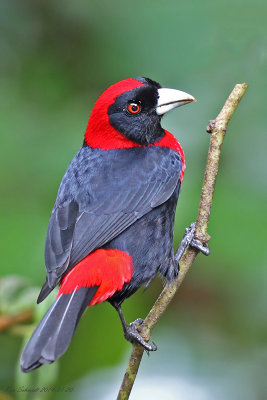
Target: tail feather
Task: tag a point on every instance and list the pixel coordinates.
(45, 291)
(52, 336)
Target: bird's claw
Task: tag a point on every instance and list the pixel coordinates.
(135, 323)
(131, 334)
(189, 240)
(204, 248)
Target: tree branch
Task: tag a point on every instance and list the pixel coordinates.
(217, 129)
(7, 321)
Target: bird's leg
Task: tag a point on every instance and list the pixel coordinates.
(189, 240)
(130, 331)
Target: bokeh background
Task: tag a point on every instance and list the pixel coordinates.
(56, 58)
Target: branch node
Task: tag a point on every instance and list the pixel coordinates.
(210, 128)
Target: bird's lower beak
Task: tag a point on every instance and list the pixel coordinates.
(171, 98)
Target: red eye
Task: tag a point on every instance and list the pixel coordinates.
(134, 108)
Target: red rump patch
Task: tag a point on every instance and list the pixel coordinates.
(108, 269)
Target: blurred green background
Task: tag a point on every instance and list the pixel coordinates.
(56, 58)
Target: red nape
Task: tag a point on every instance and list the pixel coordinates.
(108, 269)
(99, 132)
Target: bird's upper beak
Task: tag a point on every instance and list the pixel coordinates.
(171, 98)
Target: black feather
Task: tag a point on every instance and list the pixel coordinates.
(101, 195)
(52, 336)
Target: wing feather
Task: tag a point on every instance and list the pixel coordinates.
(100, 196)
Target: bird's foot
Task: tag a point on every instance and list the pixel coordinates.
(189, 240)
(131, 334)
(203, 248)
(131, 331)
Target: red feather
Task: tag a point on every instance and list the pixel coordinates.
(100, 134)
(108, 269)
(171, 142)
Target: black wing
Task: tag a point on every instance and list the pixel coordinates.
(102, 194)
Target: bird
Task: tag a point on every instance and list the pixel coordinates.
(111, 228)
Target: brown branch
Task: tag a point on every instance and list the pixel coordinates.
(217, 128)
(8, 321)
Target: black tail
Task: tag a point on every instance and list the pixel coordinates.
(46, 289)
(52, 336)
